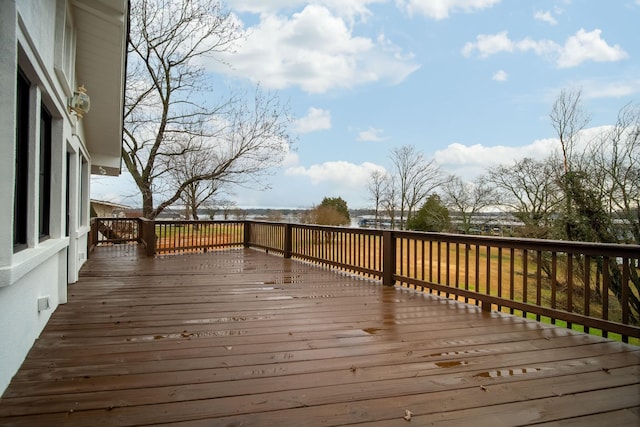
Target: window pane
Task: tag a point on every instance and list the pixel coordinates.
(20, 198)
(45, 173)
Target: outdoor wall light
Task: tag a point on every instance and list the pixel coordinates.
(80, 102)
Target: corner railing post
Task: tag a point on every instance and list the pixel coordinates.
(149, 236)
(93, 236)
(388, 258)
(94, 231)
(247, 234)
(485, 306)
(139, 235)
(288, 240)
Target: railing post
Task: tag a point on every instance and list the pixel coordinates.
(247, 234)
(94, 231)
(92, 238)
(388, 258)
(485, 306)
(149, 236)
(288, 240)
(140, 235)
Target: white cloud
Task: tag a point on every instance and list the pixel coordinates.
(316, 119)
(261, 6)
(599, 89)
(371, 135)
(545, 17)
(316, 51)
(489, 44)
(440, 9)
(117, 189)
(351, 10)
(348, 176)
(500, 76)
(471, 161)
(291, 159)
(582, 46)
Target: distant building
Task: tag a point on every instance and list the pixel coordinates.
(103, 209)
(54, 134)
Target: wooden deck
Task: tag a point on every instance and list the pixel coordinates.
(242, 338)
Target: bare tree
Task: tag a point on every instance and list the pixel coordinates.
(228, 208)
(529, 189)
(390, 198)
(597, 181)
(194, 161)
(614, 164)
(568, 119)
(417, 177)
(324, 215)
(377, 184)
(167, 113)
(467, 199)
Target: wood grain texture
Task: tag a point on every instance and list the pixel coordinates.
(239, 337)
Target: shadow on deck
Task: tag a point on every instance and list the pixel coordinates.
(240, 337)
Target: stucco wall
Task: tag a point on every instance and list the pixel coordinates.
(37, 15)
(21, 321)
(39, 37)
(27, 38)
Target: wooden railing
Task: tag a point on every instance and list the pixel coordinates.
(590, 284)
(114, 230)
(568, 283)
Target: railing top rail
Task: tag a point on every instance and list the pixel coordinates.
(113, 218)
(200, 221)
(560, 246)
(587, 248)
(371, 231)
(265, 222)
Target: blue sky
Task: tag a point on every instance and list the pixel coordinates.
(468, 82)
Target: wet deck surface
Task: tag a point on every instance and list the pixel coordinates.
(241, 338)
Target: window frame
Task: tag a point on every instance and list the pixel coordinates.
(21, 171)
(44, 181)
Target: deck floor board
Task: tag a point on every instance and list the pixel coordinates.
(240, 337)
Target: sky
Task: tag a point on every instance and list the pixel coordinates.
(469, 83)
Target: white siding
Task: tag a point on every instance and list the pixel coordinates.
(39, 37)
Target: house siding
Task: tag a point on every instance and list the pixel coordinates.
(32, 39)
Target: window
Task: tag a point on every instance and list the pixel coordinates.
(65, 46)
(69, 49)
(84, 193)
(44, 184)
(21, 189)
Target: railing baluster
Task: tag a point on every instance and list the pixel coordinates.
(476, 279)
(569, 285)
(554, 282)
(587, 288)
(439, 264)
(431, 260)
(423, 259)
(625, 294)
(538, 281)
(488, 281)
(606, 282)
(512, 276)
(499, 308)
(457, 265)
(525, 278)
(467, 250)
(448, 261)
